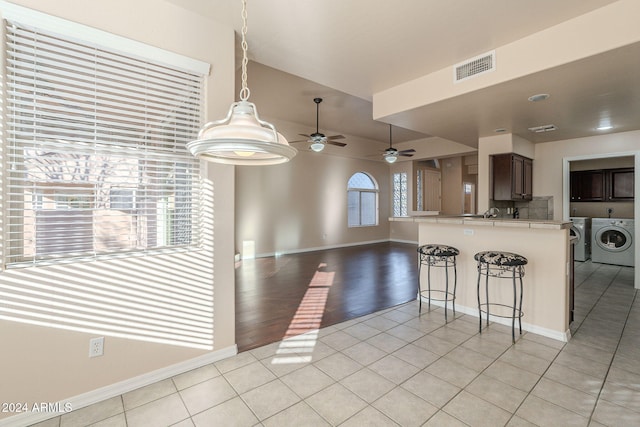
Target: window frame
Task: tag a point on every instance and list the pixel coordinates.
(360, 192)
(400, 204)
(15, 254)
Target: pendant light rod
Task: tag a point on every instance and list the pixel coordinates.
(391, 154)
(317, 101)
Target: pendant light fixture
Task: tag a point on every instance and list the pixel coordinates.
(242, 138)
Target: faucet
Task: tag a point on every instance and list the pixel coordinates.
(491, 213)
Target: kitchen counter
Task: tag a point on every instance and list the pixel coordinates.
(545, 244)
(480, 221)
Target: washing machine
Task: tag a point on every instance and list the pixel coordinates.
(612, 241)
(581, 228)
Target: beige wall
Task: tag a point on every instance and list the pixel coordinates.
(600, 209)
(602, 163)
(548, 161)
(44, 364)
(302, 204)
(276, 211)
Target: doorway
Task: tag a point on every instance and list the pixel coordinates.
(566, 191)
(469, 198)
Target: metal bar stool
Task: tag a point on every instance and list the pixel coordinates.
(505, 265)
(434, 255)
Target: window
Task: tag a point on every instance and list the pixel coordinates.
(362, 201)
(400, 194)
(122, 199)
(419, 190)
(95, 147)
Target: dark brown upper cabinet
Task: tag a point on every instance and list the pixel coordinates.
(621, 184)
(512, 176)
(588, 186)
(606, 185)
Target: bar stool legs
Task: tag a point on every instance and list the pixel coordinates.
(499, 264)
(442, 256)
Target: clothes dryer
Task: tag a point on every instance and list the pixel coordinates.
(581, 228)
(612, 241)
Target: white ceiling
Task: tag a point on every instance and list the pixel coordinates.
(346, 50)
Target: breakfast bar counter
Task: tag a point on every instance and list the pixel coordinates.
(545, 244)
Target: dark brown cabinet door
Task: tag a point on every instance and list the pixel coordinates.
(512, 177)
(595, 189)
(587, 186)
(621, 184)
(517, 183)
(527, 179)
(501, 177)
(602, 185)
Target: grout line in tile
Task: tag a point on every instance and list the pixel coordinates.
(604, 381)
(592, 284)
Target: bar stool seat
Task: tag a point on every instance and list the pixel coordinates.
(507, 265)
(438, 255)
(508, 259)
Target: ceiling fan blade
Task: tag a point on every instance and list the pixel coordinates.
(300, 140)
(405, 154)
(410, 150)
(339, 144)
(302, 134)
(336, 137)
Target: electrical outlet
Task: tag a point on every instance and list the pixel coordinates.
(96, 347)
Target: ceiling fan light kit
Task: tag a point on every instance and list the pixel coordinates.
(390, 155)
(242, 138)
(317, 146)
(319, 140)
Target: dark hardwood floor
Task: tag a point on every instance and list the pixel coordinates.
(281, 296)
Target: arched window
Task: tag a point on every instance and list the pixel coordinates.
(362, 201)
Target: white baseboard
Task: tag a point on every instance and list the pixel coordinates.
(413, 242)
(319, 248)
(121, 387)
(545, 332)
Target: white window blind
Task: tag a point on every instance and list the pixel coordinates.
(96, 155)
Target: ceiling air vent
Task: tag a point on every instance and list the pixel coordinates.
(475, 66)
(543, 128)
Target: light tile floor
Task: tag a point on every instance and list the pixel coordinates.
(394, 368)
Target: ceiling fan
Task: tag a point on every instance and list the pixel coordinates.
(317, 139)
(391, 154)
